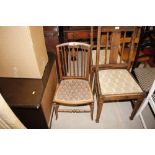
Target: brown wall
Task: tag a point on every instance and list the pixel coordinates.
(22, 52)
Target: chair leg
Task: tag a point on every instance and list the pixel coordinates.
(142, 106)
(99, 109)
(56, 107)
(94, 87)
(135, 109)
(91, 110)
(91, 77)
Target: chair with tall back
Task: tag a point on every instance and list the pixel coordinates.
(113, 80)
(144, 65)
(126, 40)
(74, 70)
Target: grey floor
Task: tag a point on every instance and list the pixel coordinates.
(115, 115)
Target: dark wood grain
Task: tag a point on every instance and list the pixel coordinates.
(31, 99)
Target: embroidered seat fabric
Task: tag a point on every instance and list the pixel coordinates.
(153, 97)
(117, 81)
(73, 91)
(145, 76)
(102, 57)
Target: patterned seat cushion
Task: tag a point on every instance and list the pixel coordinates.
(117, 81)
(153, 97)
(73, 91)
(145, 77)
(102, 57)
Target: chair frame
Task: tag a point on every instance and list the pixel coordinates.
(147, 100)
(85, 74)
(135, 97)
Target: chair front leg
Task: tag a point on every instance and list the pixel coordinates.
(99, 109)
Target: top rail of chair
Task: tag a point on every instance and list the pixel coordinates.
(73, 44)
(117, 28)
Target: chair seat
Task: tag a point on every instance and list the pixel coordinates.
(73, 91)
(145, 77)
(102, 57)
(117, 81)
(153, 97)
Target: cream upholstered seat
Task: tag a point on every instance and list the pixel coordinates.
(117, 81)
(102, 57)
(73, 91)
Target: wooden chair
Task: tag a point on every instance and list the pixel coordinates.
(142, 69)
(126, 39)
(113, 80)
(74, 70)
(150, 99)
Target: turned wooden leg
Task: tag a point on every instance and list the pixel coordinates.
(94, 87)
(91, 110)
(91, 77)
(56, 107)
(99, 110)
(135, 108)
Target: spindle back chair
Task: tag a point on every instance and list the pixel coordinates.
(74, 69)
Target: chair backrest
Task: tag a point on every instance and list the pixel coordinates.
(115, 41)
(73, 60)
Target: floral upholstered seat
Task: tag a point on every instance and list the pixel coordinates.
(145, 77)
(73, 91)
(117, 81)
(153, 97)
